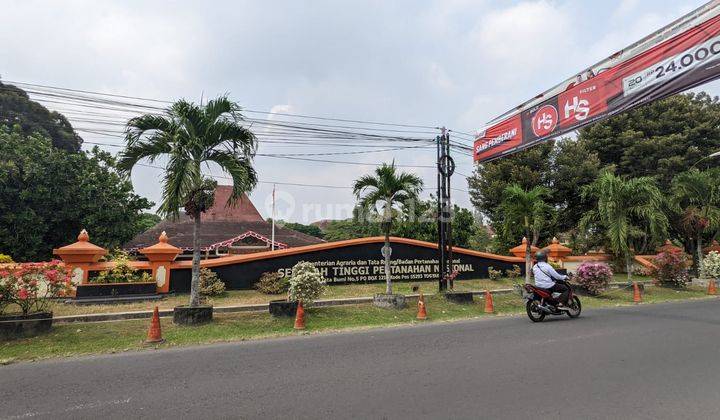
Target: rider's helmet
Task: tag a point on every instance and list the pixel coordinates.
(541, 256)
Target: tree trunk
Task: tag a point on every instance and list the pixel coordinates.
(699, 254)
(195, 282)
(388, 279)
(628, 266)
(528, 263)
(528, 251)
(387, 219)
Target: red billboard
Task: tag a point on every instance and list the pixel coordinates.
(680, 56)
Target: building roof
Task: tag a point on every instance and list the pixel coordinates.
(222, 226)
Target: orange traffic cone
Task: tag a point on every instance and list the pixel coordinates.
(154, 335)
(422, 312)
(637, 298)
(300, 317)
(489, 307)
(711, 288)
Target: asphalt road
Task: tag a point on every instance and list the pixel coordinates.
(651, 362)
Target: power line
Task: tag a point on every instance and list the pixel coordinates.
(246, 109)
(135, 108)
(347, 163)
(295, 184)
(263, 182)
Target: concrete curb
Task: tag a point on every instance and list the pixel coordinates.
(261, 307)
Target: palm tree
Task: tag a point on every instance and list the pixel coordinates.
(189, 136)
(387, 191)
(626, 210)
(695, 196)
(529, 210)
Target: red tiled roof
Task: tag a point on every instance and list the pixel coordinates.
(221, 224)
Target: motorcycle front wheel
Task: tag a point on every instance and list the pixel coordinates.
(575, 307)
(534, 313)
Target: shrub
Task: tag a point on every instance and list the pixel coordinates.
(671, 269)
(4, 296)
(122, 272)
(272, 284)
(31, 285)
(6, 259)
(306, 283)
(640, 271)
(593, 277)
(494, 273)
(555, 265)
(513, 273)
(210, 283)
(711, 266)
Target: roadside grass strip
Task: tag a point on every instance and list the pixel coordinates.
(251, 297)
(67, 340)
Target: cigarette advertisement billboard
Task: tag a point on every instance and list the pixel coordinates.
(680, 56)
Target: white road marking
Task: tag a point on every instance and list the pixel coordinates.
(70, 409)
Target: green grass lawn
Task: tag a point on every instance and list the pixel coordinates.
(247, 297)
(109, 337)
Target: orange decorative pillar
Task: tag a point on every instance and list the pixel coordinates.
(160, 256)
(556, 251)
(79, 256)
(519, 251)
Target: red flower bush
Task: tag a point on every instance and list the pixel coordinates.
(593, 277)
(671, 269)
(30, 286)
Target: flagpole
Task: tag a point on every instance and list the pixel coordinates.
(272, 235)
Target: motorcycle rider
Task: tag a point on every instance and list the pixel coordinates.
(546, 278)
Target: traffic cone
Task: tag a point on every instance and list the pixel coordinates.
(489, 307)
(154, 335)
(422, 312)
(637, 298)
(711, 288)
(300, 317)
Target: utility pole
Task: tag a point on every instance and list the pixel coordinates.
(446, 167)
(272, 234)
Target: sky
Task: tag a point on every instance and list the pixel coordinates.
(452, 63)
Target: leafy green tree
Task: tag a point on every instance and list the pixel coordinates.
(311, 230)
(147, 221)
(528, 169)
(189, 136)
(660, 139)
(340, 230)
(17, 110)
(47, 195)
(572, 165)
(482, 240)
(387, 192)
(529, 210)
(417, 221)
(629, 214)
(695, 197)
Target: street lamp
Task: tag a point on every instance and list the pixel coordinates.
(714, 155)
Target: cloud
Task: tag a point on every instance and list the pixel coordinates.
(456, 63)
(522, 37)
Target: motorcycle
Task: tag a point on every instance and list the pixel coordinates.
(541, 302)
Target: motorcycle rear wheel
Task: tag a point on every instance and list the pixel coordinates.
(575, 306)
(533, 312)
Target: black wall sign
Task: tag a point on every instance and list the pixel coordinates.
(354, 263)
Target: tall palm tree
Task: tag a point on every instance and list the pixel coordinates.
(529, 210)
(189, 136)
(695, 196)
(386, 192)
(627, 210)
